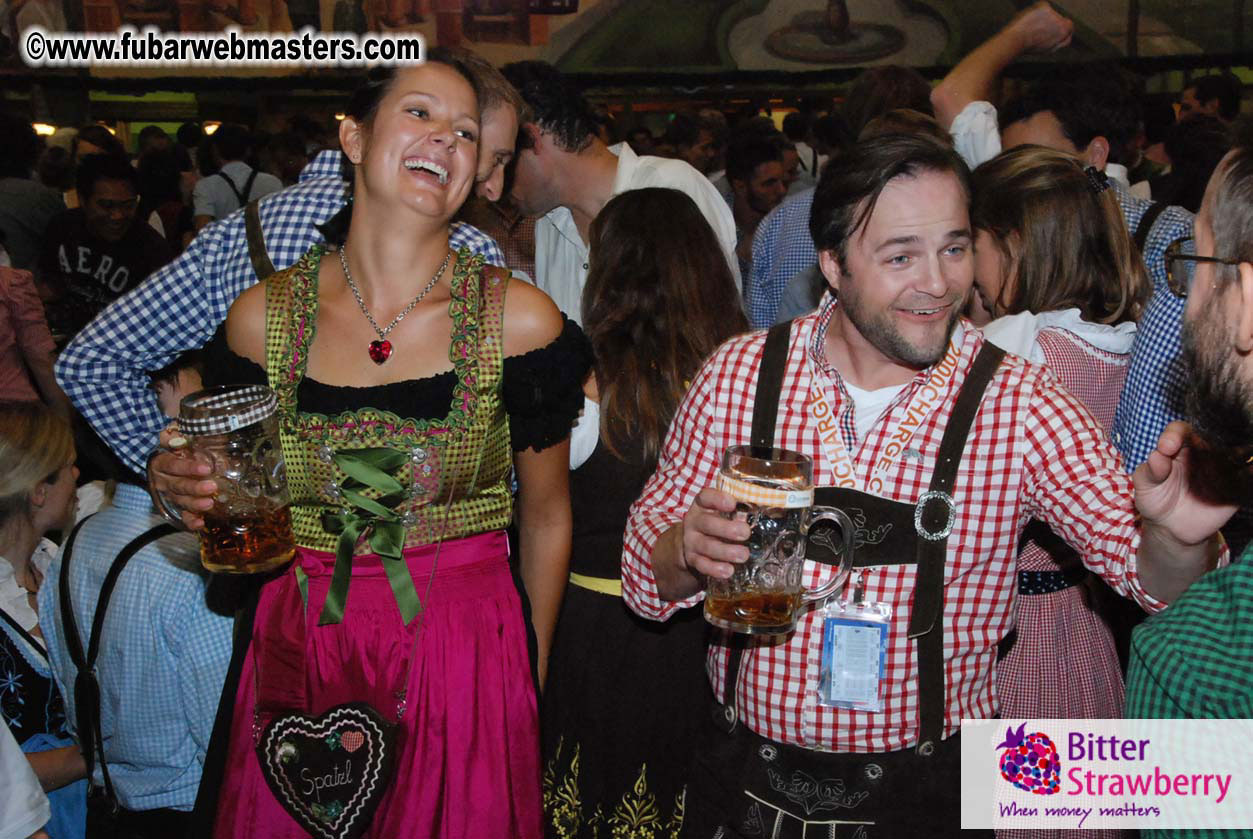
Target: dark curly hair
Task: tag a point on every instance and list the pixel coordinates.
(559, 106)
(1096, 103)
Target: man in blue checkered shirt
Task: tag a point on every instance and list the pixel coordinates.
(163, 652)
(782, 248)
(1092, 118)
(178, 308)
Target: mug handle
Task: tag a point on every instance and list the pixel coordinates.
(167, 511)
(849, 531)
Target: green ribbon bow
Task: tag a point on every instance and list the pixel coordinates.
(370, 469)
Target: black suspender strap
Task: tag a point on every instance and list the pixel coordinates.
(936, 511)
(239, 196)
(1146, 224)
(765, 414)
(69, 626)
(86, 686)
(770, 384)
(257, 254)
(242, 197)
(247, 191)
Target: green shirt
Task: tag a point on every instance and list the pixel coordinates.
(1195, 660)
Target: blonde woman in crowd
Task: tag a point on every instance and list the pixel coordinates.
(37, 478)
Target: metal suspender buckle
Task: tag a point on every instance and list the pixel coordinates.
(943, 533)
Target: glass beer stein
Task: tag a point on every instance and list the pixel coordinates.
(248, 529)
(774, 492)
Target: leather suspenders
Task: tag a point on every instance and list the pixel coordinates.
(86, 686)
(257, 254)
(931, 515)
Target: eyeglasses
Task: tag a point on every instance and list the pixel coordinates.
(1181, 262)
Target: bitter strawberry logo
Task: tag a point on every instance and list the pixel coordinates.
(1030, 761)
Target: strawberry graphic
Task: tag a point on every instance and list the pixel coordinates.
(1030, 761)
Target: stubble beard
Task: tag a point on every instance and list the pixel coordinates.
(1219, 400)
(881, 332)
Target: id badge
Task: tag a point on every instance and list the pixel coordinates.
(854, 654)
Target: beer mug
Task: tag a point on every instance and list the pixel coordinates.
(248, 528)
(774, 491)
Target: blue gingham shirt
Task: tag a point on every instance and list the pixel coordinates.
(782, 248)
(104, 369)
(1153, 395)
(163, 655)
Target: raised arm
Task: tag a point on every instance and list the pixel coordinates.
(104, 369)
(1180, 521)
(1037, 29)
(1150, 541)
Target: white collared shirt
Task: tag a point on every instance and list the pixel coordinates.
(14, 599)
(977, 138)
(24, 807)
(1018, 333)
(561, 255)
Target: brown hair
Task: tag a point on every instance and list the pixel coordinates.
(35, 443)
(493, 89)
(659, 299)
(847, 194)
(906, 121)
(886, 88)
(1071, 248)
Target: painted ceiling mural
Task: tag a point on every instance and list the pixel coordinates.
(633, 36)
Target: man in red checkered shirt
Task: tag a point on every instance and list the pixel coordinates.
(941, 451)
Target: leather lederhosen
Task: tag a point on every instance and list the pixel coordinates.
(743, 785)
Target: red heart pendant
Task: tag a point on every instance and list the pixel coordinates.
(380, 351)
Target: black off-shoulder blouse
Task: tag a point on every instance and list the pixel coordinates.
(542, 390)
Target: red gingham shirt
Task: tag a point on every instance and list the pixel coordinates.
(1034, 452)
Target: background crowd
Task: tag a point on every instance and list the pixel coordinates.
(129, 278)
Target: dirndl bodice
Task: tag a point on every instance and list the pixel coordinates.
(449, 474)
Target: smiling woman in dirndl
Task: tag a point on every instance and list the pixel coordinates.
(387, 690)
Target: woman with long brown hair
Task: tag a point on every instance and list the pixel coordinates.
(626, 694)
(1055, 265)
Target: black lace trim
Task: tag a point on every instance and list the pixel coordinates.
(542, 389)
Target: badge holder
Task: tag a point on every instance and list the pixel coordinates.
(854, 652)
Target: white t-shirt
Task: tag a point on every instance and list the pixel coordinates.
(214, 197)
(23, 806)
(561, 255)
(977, 138)
(869, 405)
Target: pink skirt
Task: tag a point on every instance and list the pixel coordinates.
(1063, 666)
(467, 752)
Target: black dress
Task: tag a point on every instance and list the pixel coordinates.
(29, 700)
(624, 695)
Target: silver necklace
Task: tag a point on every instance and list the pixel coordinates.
(381, 349)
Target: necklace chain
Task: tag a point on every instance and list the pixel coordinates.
(356, 293)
